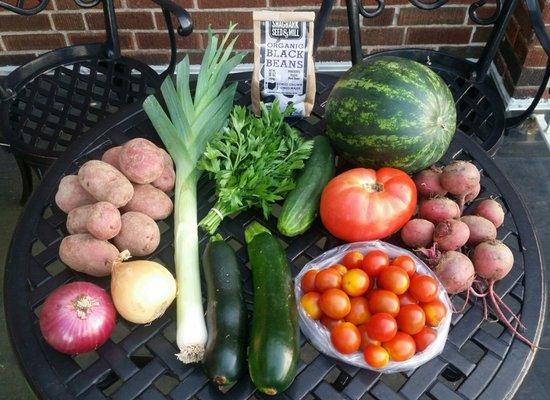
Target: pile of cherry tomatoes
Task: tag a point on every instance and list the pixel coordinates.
(370, 303)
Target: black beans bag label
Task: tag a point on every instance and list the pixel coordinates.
(284, 69)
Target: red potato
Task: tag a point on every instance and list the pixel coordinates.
(492, 210)
(84, 253)
(427, 183)
(418, 233)
(167, 179)
(105, 183)
(150, 201)
(139, 234)
(101, 220)
(70, 194)
(492, 260)
(455, 272)
(438, 209)
(481, 229)
(451, 234)
(141, 161)
(111, 156)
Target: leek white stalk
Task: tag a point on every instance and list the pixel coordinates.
(192, 123)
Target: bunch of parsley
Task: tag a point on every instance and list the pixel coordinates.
(253, 161)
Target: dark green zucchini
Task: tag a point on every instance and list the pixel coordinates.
(226, 315)
(302, 203)
(275, 338)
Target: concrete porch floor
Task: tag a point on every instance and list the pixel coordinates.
(524, 159)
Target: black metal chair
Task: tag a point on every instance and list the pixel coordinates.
(479, 105)
(49, 102)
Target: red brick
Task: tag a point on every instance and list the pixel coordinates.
(18, 23)
(512, 30)
(338, 17)
(150, 4)
(481, 34)
(436, 35)
(245, 40)
(526, 92)
(536, 57)
(41, 41)
(134, 20)
(522, 17)
(329, 38)
(384, 19)
(231, 3)
(125, 38)
(159, 40)
(341, 54)
(440, 16)
(16, 59)
(393, 2)
(287, 3)
(530, 77)
(217, 19)
(68, 22)
(150, 58)
(374, 36)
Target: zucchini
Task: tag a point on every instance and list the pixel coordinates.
(226, 315)
(302, 203)
(275, 338)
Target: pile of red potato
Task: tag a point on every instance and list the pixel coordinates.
(112, 206)
(463, 250)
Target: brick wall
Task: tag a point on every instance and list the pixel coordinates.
(400, 25)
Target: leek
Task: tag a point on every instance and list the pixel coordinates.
(191, 123)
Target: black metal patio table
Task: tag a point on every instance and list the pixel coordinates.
(481, 359)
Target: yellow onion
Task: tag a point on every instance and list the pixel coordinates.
(141, 290)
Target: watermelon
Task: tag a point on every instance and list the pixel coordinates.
(391, 112)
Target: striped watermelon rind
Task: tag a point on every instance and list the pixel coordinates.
(391, 111)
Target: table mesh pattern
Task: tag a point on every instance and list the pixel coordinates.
(55, 108)
(475, 113)
(138, 362)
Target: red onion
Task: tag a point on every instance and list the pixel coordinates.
(77, 318)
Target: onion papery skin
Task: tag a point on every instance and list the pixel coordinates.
(77, 318)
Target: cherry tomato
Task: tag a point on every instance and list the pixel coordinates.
(367, 204)
(423, 288)
(401, 347)
(340, 269)
(381, 327)
(310, 304)
(353, 259)
(405, 262)
(435, 312)
(376, 356)
(355, 282)
(407, 298)
(424, 338)
(330, 322)
(335, 303)
(345, 337)
(383, 301)
(411, 319)
(395, 279)
(374, 261)
(308, 281)
(327, 279)
(359, 313)
(365, 339)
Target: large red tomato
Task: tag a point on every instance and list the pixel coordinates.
(364, 204)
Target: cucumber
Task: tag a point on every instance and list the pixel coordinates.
(302, 203)
(226, 315)
(275, 338)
